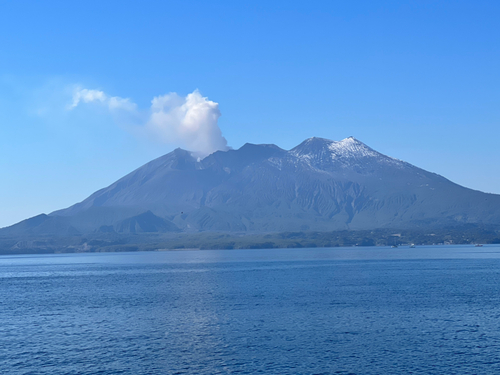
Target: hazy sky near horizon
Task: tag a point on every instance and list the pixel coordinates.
(91, 90)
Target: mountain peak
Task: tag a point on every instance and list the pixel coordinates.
(346, 148)
(311, 145)
(351, 139)
(325, 154)
(351, 147)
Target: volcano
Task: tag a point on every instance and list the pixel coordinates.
(320, 185)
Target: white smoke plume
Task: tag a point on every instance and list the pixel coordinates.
(190, 122)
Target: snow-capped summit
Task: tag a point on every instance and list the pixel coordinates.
(351, 147)
(326, 154)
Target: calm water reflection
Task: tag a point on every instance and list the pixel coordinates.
(310, 311)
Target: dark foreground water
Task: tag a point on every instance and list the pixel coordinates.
(432, 310)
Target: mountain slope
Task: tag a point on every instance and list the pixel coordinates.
(318, 185)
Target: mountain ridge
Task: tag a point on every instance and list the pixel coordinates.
(318, 185)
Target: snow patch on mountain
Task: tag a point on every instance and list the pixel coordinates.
(349, 148)
(319, 152)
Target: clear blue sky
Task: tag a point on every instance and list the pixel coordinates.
(417, 80)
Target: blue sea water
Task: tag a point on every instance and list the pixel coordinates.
(428, 310)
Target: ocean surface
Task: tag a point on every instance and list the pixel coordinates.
(427, 310)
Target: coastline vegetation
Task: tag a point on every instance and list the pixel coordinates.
(113, 242)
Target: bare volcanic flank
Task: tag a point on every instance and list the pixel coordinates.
(319, 185)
